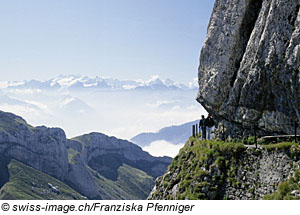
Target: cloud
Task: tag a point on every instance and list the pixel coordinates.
(26, 111)
(3, 84)
(39, 105)
(137, 120)
(159, 103)
(26, 91)
(123, 114)
(162, 148)
(66, 102)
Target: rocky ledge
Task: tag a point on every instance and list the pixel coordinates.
(223, 170)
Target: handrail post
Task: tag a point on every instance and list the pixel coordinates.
(193, 130)
(296, 126)
(255, 136)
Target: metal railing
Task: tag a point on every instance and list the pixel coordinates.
(294, 124)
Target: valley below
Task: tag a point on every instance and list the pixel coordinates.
(41, 163)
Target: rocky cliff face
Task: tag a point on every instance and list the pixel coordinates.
(249, 66)
(102, 151)
(91, 164)
(223, 170)
(42, 148)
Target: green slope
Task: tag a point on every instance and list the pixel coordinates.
(131, 183)
(189, 170)
(31, 184)
(12, 123)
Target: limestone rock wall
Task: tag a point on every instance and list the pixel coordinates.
(101, 148)
(42, 148)
(249, 66)
(259, 174)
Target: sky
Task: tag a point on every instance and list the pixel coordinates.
(124, 39)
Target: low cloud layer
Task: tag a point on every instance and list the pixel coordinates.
(162, 148)
(120, 113)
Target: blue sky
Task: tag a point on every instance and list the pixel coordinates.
(125, 39)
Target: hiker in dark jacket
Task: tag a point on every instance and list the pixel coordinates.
(209, 123)
(202, 127)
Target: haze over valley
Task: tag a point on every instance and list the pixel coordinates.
(121, 108)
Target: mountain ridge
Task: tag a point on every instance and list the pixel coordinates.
(76, 82)
(73, 162)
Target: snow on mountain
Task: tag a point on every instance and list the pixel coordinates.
(74, 82)
(122, 84)
(155, 84)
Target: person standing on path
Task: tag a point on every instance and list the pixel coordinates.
(209, 123)
(202, 127)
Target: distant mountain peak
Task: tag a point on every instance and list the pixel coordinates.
(175, 134)
(73, 82)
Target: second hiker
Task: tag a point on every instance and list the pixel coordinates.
(209, 123)
(202, 127)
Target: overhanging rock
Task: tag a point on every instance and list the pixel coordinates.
(249, 66)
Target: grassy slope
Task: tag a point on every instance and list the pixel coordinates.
(28, 183)
(83, 139)
(192, 163)
(10, 122)
(71, 156)
(132, 183)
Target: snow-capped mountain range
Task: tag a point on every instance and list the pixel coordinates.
(73, 82)
(122, 108)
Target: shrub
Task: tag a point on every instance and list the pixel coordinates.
(194, 158)
(285, 188)
(220, 162)
(284, 146)
(250, 140)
